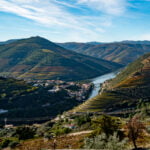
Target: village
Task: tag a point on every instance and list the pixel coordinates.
(79, 91)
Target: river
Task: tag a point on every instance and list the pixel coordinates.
(101, 79)
(3, 111)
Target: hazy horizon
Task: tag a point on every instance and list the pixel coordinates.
(74, 41)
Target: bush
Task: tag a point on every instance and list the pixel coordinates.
(4, 143)
(1, 126)
(61, 131)
(48, 135)
(80, 120)
(42, 130)
(8, 143)
(13, 144)
(103, 142)
(23, 132)
(7, 132)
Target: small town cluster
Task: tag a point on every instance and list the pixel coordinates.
(79, 91)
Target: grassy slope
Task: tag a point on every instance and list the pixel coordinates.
(38, 58)
(131, 85)
(63, 142)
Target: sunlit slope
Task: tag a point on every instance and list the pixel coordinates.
(38, 58)
(125, 91)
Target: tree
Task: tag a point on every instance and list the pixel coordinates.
(135, 129)
(108, 125)
(80, 120)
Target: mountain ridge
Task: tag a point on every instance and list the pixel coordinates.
(123, 52)
(39, 58)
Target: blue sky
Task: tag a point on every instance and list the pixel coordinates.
(75, 20)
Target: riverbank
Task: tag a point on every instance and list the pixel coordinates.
(98, 81)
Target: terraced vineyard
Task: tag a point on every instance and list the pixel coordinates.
(125, 91)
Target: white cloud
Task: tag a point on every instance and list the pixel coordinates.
(113, 7)
(54, 13)
(47, 13)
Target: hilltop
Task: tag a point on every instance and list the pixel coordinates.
(37, 58)
(126, 91)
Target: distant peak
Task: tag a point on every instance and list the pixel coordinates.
(38, 39)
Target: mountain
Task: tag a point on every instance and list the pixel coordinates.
(95, 43)
(128, 89)
(38, 58)
(77, 47)
(8, 41)
(136, 42)
(120, 52)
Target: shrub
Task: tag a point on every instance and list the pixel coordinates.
(13, 144)
(61, 131)
(103, 142)
(4, 143)
(42, 130)
(48, 135)
(23, 132)
(80, 120)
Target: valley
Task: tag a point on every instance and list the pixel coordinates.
(74, 75)
(51, 97)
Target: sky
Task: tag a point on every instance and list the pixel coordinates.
(75, 20)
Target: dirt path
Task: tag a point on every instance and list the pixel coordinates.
(79, 133)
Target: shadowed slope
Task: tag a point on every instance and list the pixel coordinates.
(121, 52)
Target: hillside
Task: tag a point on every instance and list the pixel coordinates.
(121, 52)
(38, 58)
(8, 41)
(125, 91)
(23, 100)
(77, 47)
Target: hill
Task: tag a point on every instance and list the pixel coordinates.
(8, 41)
(38, 58)
(123, 52)
(136, 42)
(95, 43)
(126, 91)
(23, 100)
(77, 47)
